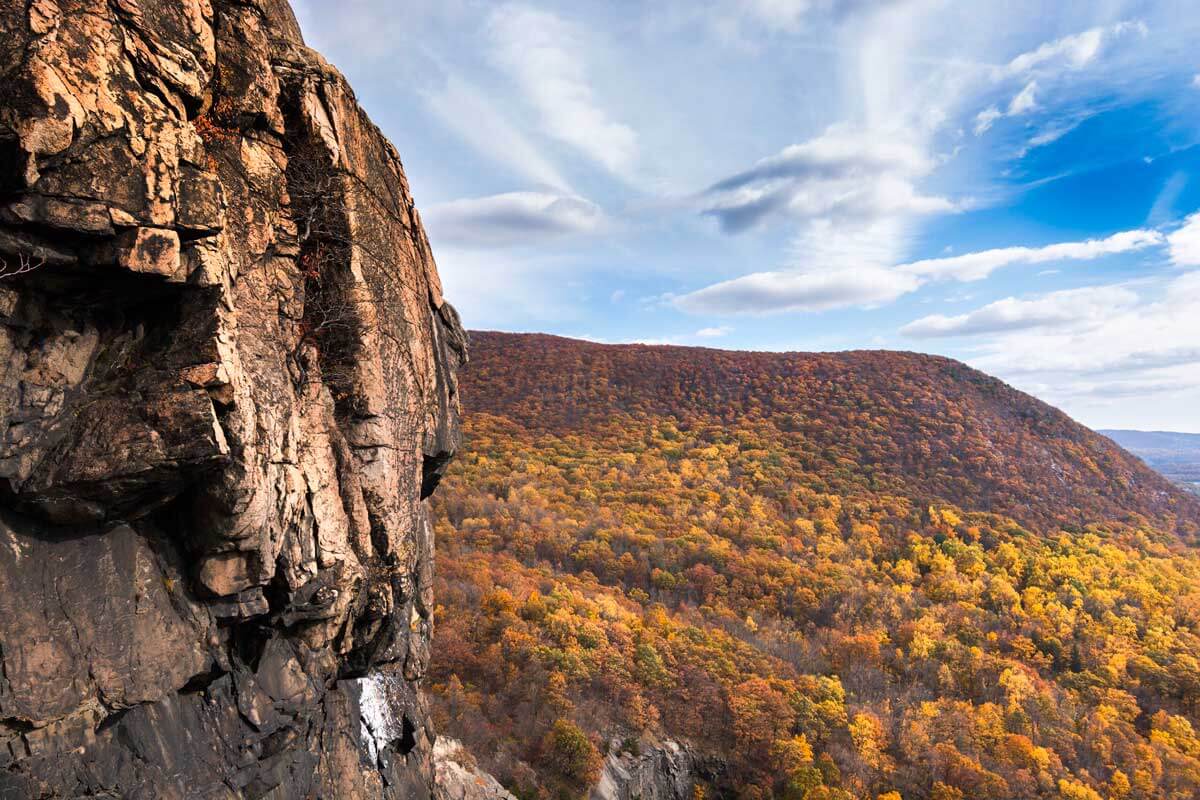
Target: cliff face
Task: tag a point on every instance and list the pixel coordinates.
(227, 385)
(658, 771)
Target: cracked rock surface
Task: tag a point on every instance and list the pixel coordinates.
(227, 385)
(663, 770)
(458, 777)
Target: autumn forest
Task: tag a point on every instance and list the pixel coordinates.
(859, 575)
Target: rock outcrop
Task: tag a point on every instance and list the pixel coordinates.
(458, 777)
(656, 771)
(227, 384)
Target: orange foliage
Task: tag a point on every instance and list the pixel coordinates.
(836, 576)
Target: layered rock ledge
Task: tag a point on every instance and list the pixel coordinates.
(227, 385)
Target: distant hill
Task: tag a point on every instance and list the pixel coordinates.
(832, 575)
(1175, 455)
(922, 426)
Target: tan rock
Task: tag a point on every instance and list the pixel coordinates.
(152, 251)
(225, 573)
(220, 510)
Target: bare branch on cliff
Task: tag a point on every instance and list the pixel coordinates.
(24, 265)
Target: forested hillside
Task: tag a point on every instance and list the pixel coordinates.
(867, 575)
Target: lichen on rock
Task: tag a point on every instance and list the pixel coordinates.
(227, 385)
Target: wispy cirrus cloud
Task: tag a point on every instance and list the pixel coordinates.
(543, 54)
(1024, 102)
(1049, 61)
(474, 116)
(1069, 52)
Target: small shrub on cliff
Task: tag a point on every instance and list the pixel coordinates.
(569, 752)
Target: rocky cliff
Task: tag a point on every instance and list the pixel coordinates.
(227, 385)
(656, 771)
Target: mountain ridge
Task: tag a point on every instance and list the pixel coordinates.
(644, 378)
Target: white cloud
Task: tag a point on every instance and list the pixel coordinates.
(543, 55)
(714, 333)
(1025, 101)
(512, 218)
(1135, 349)
(985, 119)
(472, 115)
(1055, 131)
(850, 266)
(1070, 308)
(1184, 243)
(1196, 80)
(979, 265)
(780, 14)
(771, 292)
(1070, 52)
(843, 173)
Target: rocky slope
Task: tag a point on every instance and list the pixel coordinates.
(227, 385)
(458, 777)
(657, 771)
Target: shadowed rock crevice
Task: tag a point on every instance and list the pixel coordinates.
(227, 384)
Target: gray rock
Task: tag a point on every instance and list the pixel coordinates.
(457, 777)
(657, 771)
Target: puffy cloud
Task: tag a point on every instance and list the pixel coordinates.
(979, 265)
(543, 55)
(714, 333)
(1140, 368)
(770, 292)
(1184, 243)
(512, 218)
(1134, 349)
(1071, 308)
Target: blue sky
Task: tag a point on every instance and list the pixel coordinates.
(1013, 184)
